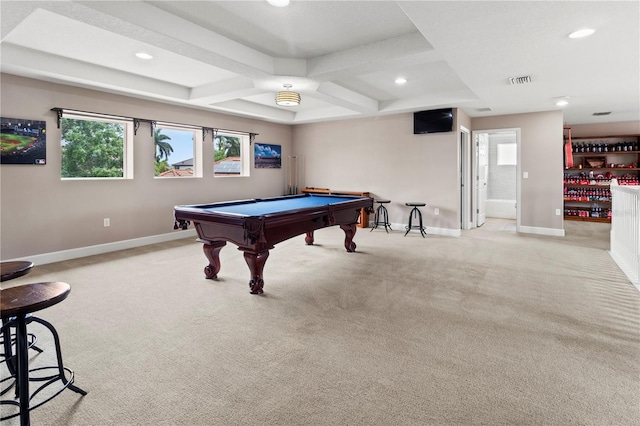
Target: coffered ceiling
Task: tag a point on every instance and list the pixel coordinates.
(341, 56)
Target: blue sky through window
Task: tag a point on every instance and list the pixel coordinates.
(182, 143)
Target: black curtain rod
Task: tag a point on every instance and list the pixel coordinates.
(136, 121)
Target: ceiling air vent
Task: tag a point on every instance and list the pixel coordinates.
(597, 114)
(520, 80)
(487, 109)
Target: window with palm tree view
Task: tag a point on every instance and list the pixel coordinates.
(231, 154)
(177, 151)
(96, 147)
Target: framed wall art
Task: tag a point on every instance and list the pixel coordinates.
(23, 141)
(267, 156)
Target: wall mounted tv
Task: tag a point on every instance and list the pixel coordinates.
(433, 121)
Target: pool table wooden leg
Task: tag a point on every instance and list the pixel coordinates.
(309, 238)
(349, 233)
(256, 261)
(212, 251)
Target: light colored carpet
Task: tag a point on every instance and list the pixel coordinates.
(492, 328)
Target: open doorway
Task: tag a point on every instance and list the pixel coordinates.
(496, 175)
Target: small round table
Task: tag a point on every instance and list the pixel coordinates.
(382, 216)
(16, 305)
(418, 214)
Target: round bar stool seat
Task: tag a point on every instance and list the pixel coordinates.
(415, 211)
(16, 306)
(382, 216)
(14, 269)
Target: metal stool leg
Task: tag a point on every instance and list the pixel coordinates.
(418, 214)
(410, 222)
(381, 218)
(22, 372)
(387, 224)
(421, 227)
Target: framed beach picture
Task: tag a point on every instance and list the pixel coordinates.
(23, 141)
(267, 156)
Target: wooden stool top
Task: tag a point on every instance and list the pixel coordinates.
(14, 269)
(383, 201)
(415, 204)
(28, 298)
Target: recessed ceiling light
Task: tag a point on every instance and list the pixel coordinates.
(401, 80)
(278, 3)
(562, 102)
(585, 32)
(143, 55)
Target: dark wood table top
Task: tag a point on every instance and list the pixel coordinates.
(28, 298)
(14, 269)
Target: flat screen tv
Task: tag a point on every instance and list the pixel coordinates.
(433, 121)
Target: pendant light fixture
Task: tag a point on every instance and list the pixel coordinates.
(287, 97)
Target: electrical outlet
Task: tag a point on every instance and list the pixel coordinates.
(107, 222)
(557, 212)
(436, 211)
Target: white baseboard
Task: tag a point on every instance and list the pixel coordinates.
(554, 232)
(59, 256)
(429, 230)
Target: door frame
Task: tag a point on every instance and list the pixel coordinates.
(465, 183)
(474, 156)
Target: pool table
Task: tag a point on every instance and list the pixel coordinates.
(256, 225)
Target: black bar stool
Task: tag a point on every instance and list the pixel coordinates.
(8, 271)
(382, 216)
(16, 305)
(418, 214)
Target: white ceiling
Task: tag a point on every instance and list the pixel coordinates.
(341, 56)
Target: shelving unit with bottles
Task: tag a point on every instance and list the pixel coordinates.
(597, 160)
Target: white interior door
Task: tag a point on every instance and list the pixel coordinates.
(482, 150)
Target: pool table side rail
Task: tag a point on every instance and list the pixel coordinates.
(202, 211)
(258, 200)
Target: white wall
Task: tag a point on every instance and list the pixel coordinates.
(382, 156)
(40, 213)
(501, 181)
(541, 157)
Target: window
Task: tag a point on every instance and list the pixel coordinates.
(231, 154)
(507, 154)
(96, 146)
(178, 150)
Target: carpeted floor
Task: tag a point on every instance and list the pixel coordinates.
(492, 327)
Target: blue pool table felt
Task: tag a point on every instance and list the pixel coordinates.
(264, 207)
